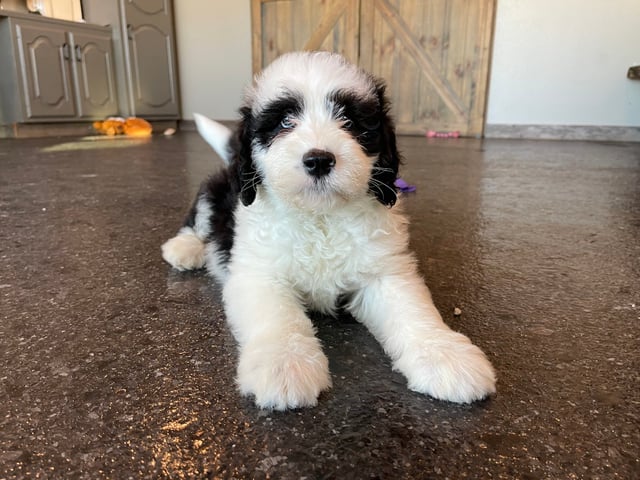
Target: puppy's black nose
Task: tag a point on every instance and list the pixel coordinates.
(318, 162)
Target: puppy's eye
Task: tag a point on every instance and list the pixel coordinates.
(345, 122)
(287, 122)
(372, 125)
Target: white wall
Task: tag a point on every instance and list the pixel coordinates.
(555, 62)
(214, 55)
(564, 62)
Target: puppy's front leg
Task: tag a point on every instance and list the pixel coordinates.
(398, 310)
(281, 361)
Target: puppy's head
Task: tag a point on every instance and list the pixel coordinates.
(316, 132)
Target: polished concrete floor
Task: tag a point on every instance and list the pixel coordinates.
(114, 366)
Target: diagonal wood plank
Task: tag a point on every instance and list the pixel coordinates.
(401, 29)
(326, 24)
(256, 36)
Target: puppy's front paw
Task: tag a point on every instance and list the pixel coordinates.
(283, 373)
(185, 251)
(448, 367)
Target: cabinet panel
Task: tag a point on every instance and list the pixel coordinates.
(153, 87)
(147, 8)
(95, 76)
(146, 74)
(46, 74)
(152, 57)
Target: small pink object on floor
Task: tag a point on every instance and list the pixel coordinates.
(434, 134)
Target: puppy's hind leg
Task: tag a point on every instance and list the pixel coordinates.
(187, 250)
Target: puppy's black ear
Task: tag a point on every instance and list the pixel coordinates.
(385, 170)
(245, 171)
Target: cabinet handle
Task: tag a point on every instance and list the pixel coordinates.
(66, 51)
(78, 51)
(129, 31)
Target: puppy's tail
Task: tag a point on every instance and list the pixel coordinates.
(215, 134)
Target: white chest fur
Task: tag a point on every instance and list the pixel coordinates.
(319, 255)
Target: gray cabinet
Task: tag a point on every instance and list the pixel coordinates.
(96, 90)
(144, 41)
(53, 70)
(44, 62)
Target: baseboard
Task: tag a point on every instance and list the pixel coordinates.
(190, 125)
(35, 130)
(564, 132)
(66, 129)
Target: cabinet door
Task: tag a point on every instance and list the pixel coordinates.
(44, 54)
(153, 73)
(96, 90)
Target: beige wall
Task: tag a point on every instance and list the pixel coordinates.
(214, 55)
(565, 63)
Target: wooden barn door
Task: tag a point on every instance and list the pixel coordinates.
(433, 54)
(282, 26)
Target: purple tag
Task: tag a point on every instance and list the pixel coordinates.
(404, 186)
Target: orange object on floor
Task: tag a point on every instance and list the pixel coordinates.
(132, 127)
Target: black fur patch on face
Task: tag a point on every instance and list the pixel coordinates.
(361, 118)
(242, 169)
(277, 118)
(369, 122)
(385, 170)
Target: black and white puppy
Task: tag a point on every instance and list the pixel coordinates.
(300, 220)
